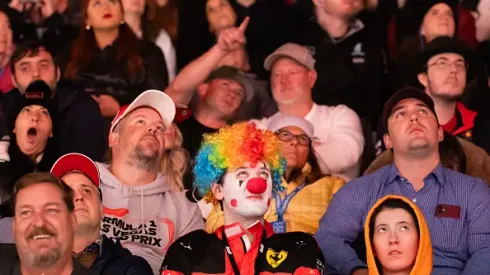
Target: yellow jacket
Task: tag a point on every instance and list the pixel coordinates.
(423, 261)
(305, 209)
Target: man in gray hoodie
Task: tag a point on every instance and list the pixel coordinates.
(140, 209)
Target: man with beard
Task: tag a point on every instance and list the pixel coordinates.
(456, 206)
(445, 65)
(140, 209)
(44, 223)
(90, 248)
(241, 167)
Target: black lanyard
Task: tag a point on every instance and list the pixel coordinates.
(230, 253)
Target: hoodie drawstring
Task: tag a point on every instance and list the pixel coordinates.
(142, 211)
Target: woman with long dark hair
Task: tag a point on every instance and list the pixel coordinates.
(110, 61)
(137, 14)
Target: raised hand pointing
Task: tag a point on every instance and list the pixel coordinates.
(233, 38)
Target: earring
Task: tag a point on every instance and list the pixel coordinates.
(122, 22)
(87, 27)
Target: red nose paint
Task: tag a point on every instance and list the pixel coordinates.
(256, 185)
(233, 203)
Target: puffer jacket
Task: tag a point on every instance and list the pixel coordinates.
(116, 260)
(104, 75)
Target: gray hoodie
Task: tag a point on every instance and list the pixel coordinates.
(146, 219)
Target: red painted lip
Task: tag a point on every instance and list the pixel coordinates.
(254, 197)
(107, 15)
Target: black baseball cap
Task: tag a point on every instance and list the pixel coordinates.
(228, 72)
(404, 93)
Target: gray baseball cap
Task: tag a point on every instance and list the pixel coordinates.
(294, 51)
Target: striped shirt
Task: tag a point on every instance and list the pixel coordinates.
(461, 246)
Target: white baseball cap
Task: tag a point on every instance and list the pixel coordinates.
(155, 99)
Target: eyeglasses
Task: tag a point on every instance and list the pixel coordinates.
(443, 64)
(286, 136)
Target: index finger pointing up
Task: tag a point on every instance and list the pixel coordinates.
(243, 26)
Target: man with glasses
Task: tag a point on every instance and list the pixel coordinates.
(444, 66)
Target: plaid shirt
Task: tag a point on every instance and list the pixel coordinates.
(461, 244)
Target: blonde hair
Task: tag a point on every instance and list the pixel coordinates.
(174, 163)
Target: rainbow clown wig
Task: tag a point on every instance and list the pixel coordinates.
(230, 149)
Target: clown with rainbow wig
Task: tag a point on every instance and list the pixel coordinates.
(239, 168)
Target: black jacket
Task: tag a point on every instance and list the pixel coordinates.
(80, 126)
(350, 71)
(20, 165)
(104, 75)
(10, 263)
(116, 260)
(203, 253)
(53, 32)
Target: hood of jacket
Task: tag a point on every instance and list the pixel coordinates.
(423, 260)
(158, 186)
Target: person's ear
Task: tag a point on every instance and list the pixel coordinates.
(387, 141)
(423, 79)
(113, 139)
(217, 191)
(62, 5)
(58, 74)
(312, 76)
(440, 134)
(14, 81)
(101, 209)
(202, 89)
(318, 3)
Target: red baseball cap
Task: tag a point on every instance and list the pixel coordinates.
(76, 162)
(155, 99)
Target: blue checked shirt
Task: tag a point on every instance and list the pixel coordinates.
(461, 246)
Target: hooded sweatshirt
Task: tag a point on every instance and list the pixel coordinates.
(147, 219)
(423, 261)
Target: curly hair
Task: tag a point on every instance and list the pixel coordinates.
(231, 148)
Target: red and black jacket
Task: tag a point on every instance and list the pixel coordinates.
(472, 126)
(201, 253)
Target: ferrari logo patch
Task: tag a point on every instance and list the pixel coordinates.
(275, 258)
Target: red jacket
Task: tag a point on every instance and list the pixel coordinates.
(198, 252)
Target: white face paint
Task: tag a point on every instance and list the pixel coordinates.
(247, 191)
